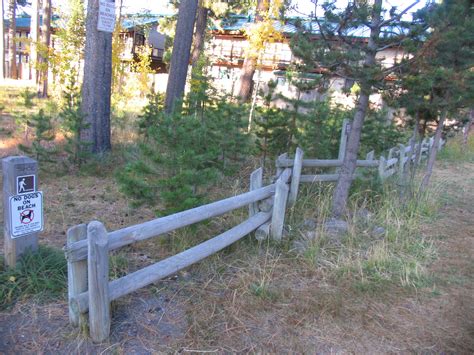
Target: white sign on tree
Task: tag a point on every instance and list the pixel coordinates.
(26, 214)
(106, 22)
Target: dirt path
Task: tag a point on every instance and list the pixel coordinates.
(164, 318)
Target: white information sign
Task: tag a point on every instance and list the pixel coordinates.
(106, 22)
(26, 214)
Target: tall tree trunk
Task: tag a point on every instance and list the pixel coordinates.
(181, 53)
(2, 42)
(246, 78)
(433, 153)
(250, 62)
(45, 42)
(199, 34)
(96, 87)
(34, 36)
(467, 128)
(11, 39)
(412, 165)
(341, 193)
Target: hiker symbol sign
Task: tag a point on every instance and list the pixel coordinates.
(26, 214)
(25, 184)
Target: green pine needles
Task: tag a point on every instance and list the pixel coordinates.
(181, 155)
(43, 134)
(73, 123)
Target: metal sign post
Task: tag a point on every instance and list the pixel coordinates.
(22, 207)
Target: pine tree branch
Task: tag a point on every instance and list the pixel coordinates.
(398, 16)
(321, 32)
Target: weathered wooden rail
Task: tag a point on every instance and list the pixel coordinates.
(88, 246)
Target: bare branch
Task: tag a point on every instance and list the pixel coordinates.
(321, 32)
(393, 68)
(391, 45)
(399, 16)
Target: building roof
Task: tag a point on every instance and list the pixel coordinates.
(236, 23)
(239, 23)
(142, 20)
(127, 23)
(25, 21)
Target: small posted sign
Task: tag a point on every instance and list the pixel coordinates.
(25, 183)
(26, 214)
(106, 21)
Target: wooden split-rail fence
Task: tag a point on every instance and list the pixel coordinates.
(89, 289)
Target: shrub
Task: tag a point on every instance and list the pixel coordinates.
(41, 274)
(182, 154)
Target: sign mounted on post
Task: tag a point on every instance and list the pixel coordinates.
(26, 214)
(106, 21)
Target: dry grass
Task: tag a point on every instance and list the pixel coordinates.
(260, 297)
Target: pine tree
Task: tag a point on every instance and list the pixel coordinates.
(319, 131)
(183, 153)
(43, 134)
(181, 53)
(271, 125)
(341, 53)
(263, 31)
(447, 65)
(67, 60)
(73, 123)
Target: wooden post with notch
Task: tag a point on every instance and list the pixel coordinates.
(76, 275)
(370, 155)
(401, 160)
(98, 281)
(382, 167)
(346, 126)
(256, 182)
(279, 209)
(279, 169)
(295, 176)
(390, 153)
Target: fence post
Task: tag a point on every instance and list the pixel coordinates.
(262, 232)
(76, 275)
(279, 169)
(401, 161)
(420, 149)
(370, 155)
(20, 176)
(441, 143)
(382, 167)
(295, 176)
(390, 153)
(430, 145)
(98, 275)
(279, 208)
(256, 182)
(413, 154)
(343, 142)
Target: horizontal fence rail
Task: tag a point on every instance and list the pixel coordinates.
(122, 237)
(325, 163)
(173, 264)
